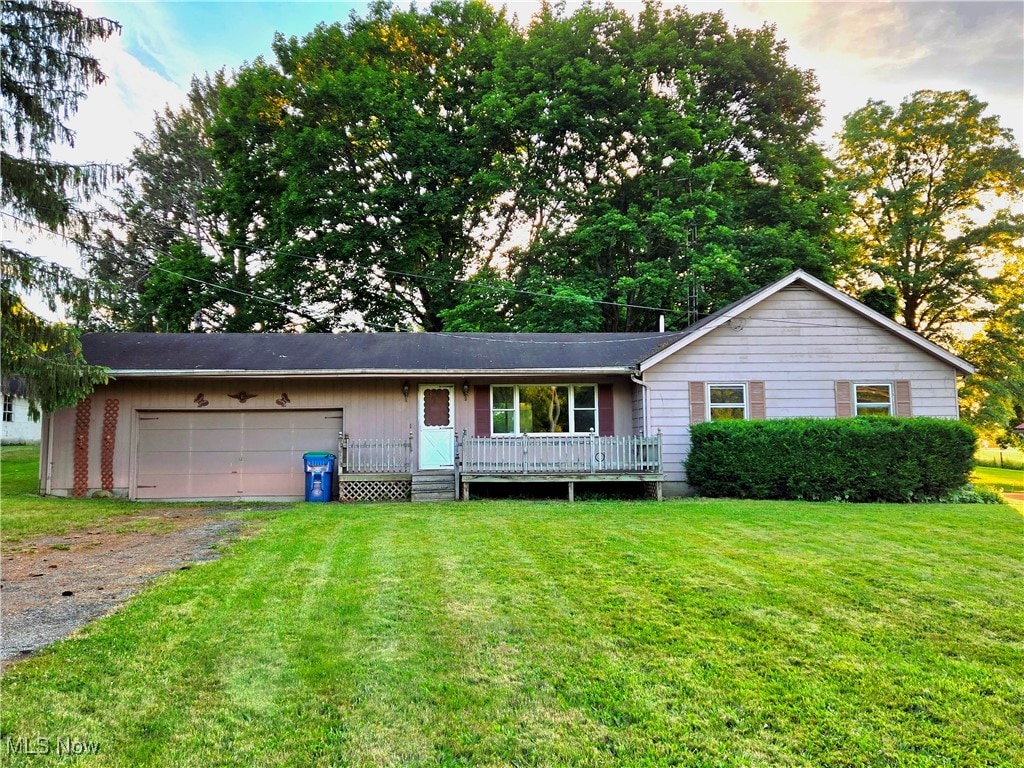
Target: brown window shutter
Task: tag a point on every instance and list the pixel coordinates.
(844, 399)
(605, 410)
(698, 402)
(482, 410)
(755, 390)
(904, 405)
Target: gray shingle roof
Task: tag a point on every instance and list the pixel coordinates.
(370, 352)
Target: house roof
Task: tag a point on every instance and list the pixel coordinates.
(735, 310)
(313, 354)
(443, 354)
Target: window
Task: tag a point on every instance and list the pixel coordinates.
(8, 407)
(543, 408)
(727, 402)
(873, 400)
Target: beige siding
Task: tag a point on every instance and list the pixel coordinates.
(799, 343)
(372, 408)
(638, 410)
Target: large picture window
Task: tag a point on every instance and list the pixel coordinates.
(543, 408)
(727, 402)
(873, 400)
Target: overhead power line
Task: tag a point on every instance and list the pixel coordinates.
(280, 305)
(89, 246)
(249, 248)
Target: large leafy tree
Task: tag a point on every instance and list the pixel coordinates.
(359, 166)
(931, 183)
(993, 399)
(660, 162)
(46, 68)
(156, 233)
(442, 168)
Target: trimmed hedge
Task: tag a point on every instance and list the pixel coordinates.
(861, 459)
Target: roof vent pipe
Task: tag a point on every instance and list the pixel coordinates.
(661, 323)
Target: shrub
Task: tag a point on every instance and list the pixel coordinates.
(972, 494)
(862, 459)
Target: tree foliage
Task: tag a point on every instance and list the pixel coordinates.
(46, 67)
(359, 164)
(930, 182)
(446, 168)
(658, 153)
(160, 250)
(993, 399)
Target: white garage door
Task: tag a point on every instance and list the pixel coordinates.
(229, 454)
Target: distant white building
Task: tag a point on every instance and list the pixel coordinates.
(16, 425)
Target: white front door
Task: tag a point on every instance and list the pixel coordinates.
(437, 427)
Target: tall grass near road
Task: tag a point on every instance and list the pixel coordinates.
(1003, 458)
(606, 634)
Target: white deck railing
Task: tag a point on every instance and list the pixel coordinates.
(376, 455)
(560, 455)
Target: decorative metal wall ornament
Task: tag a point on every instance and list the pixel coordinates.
(201, 401)
(284, 400)
(243, 396)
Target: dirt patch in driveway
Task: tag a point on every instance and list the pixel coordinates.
(52, 586)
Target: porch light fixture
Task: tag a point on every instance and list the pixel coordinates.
(465, 389)
(405, 389)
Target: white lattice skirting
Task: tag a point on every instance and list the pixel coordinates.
(375, 490)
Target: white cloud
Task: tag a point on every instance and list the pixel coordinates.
(105, 127)
(112, 113)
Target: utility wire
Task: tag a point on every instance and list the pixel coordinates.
(452, 281)
(95, 248)
(97, 215)
(89, 246)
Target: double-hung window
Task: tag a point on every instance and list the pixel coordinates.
(8, 408)
(727, 402)
(873, 400)
(543, 408)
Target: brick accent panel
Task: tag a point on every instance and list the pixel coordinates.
(107, 454)
(82, 416)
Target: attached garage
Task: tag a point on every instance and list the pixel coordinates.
(229, 454)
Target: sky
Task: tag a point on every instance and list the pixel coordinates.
(873, 49)
(858, 50)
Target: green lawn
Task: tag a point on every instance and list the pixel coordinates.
(1007, 458)
(24, 513)
(1005, 480)
(603, 633)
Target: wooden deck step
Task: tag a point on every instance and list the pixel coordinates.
(433, 486)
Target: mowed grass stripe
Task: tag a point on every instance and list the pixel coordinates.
(706, 633)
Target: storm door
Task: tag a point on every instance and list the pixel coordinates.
(437, 427)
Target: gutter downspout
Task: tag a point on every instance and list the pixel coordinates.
(637, 379)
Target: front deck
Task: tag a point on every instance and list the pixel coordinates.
(382, 468)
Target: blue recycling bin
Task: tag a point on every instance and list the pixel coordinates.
(319, 475)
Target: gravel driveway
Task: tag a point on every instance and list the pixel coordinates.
(50, 587)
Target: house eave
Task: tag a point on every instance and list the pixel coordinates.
(348, 373)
